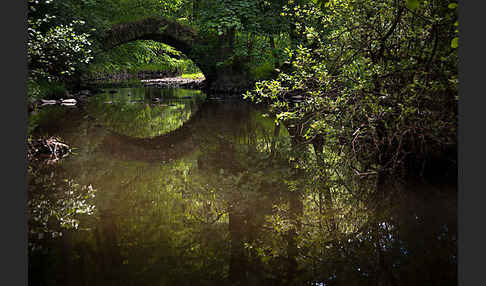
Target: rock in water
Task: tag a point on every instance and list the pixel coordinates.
(85, 92)
(68, 101)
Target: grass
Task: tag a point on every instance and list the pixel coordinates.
(193, 75)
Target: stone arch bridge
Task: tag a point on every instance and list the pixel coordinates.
(206, 51)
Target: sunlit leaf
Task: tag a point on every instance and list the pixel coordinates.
(455, 43)
(412, 4)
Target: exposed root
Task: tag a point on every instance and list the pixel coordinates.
(49, 149)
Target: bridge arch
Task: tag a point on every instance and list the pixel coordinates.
(159, 29)
(199, 48)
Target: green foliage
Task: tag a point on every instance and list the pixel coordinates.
(41, 89)
(455, 42)
(242, 27)
(253, 30)
(373, 77)
(222, 16)
(412, 4)
(119, 11)
(54, 49)
(34, 90)
(142, 56)
(263, 71)
(192, 75)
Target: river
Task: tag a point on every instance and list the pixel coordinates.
(175, 187)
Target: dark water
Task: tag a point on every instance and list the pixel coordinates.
(190, 191)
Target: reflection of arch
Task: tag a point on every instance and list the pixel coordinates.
(162, 30)
(169, 146)
(223, 116)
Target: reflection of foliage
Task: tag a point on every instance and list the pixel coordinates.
(54, 207)
(144, 120)
(396, 241)
(344, 231)
(133, 115)
(159, 218)
(247, 193)
(166, 211)
(383, 244)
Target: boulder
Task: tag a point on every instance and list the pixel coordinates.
(68, 101)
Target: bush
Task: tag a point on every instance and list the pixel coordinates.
(42, 89)
(262, 72)
(55, 50)
(387, 95)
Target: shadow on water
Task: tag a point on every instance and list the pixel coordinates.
(213, 193)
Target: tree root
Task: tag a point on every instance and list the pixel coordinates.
(49, 149)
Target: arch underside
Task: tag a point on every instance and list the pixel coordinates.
(196, 47)
(160, 30)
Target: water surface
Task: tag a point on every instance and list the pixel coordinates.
(166, 187)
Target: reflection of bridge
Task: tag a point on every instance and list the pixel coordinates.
(205, 51)
(225, 117)
(171, 145)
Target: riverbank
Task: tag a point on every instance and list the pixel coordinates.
(173, 82)
(73, 98)
(130, 76)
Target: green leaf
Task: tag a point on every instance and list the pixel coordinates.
(455, 43)
(412, 4)
(452, 6)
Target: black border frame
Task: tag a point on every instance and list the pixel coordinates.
(14, 118)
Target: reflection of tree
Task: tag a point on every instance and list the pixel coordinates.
(135, 115)
(335, 228)
(57, 208)
(243, 158)
(55, 205)
(246, 206)
(376, 242)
